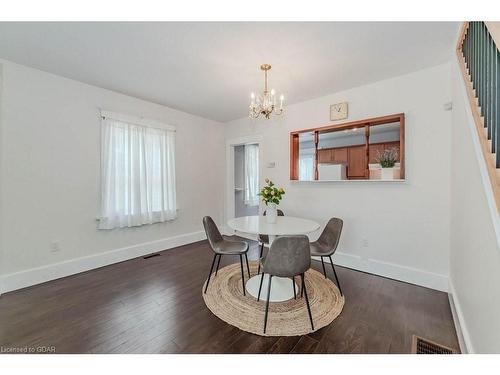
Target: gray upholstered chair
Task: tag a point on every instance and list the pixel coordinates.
(327, 243)
(264, 239)
(222, 246)
(288, 256)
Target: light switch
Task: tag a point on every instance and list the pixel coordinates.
(271, 164)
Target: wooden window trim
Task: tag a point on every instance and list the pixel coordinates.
(366, 123)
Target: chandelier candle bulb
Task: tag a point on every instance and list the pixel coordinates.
(265, 104)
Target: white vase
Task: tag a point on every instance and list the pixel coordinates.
(387, 174)
(271, 213)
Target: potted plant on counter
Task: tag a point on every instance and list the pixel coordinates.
(271, 196)
(387, 160)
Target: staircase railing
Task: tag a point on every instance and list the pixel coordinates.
(479, 59)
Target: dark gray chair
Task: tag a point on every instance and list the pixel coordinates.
(288, 256)
(264, 239)
(222, 246)
(327, 243)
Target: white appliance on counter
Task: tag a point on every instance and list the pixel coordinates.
(332, 172)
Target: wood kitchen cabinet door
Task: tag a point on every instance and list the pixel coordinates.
(339, 155)
(325, 155)
(356, 167)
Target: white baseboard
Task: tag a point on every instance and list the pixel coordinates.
(459, 320)
(392, 270)
(377, 267)
(225, 230)
(49, 272)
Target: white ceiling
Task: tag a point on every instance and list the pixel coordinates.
(209, 69)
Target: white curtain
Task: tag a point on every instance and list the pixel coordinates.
(251, 175)
(137, 174)
(306, 167)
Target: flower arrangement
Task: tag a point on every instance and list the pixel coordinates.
(271, 194)
(388, 158)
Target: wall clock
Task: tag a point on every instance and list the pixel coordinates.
(338, 111)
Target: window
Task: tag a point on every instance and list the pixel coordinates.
(252, 175)
(137, 172)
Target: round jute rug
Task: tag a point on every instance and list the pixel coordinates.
(225, 299)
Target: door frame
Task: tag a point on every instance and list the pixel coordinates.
(229, 191)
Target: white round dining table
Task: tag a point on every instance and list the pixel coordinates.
(282, 288)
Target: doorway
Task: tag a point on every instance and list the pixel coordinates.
(246, 180)
(244, 165)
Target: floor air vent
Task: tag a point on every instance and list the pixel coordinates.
(423, 346)
(151, 256)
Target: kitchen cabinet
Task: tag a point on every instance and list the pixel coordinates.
(332, 155)
(325, 156)
(355, 157)
(356, 167)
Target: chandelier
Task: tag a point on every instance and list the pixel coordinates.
(265, 104)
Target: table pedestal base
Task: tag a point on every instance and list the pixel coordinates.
(281, 288)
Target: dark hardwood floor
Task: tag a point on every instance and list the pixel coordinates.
(155, 306)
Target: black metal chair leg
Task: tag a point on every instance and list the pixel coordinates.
(260, 286)
(301, 290)
(260, 256)
(248, 266)
(307, 301)
(242, 275)
(335, 274)
(323, 264)
(218, 263)
(294, 292)
(267, 303)
(210, 274)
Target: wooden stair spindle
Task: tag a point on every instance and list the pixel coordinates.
(479, 60)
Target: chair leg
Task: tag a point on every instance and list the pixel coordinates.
(242, 275)
(301, 290)
(323, 264)
(260, 256)
(210, 274)
(267, 303)
(218, 263)
(294, 292)
(260, 286)
(335, 274)
(307, 301)
(248, 267)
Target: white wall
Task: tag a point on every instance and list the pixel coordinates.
(474, 247)
(50, 176)
(400, 230)
(1, 209)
